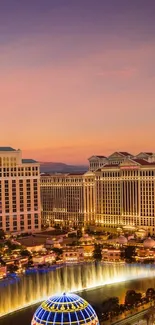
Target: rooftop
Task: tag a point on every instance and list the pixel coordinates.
(62, 174)
(29, 161)
(7, 149)
(124, 153)
(31, 241)
(143, 162)
(110, 165)
(76, 174)
(145, 153)
(149, 153)
(99, 169)
(97, 156)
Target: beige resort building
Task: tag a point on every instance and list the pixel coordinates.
(19, 192)
(117, 191)
(62, 199)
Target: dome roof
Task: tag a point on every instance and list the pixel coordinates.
(122, 240)
(149, 242)
(142, 231)
(65, 309)
(86, 238)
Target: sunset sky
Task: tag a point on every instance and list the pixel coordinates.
(77, 77)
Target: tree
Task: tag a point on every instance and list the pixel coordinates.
(129, 253)
(30, 261)
(150, 293)
(57, 226)
(25, 253)
(12, 246)
(111, 305)
(2, 262)
(148, 261)
(2, 234)
(97, 253)
(2, 245)
(132, 297)
(13, 268)
(74, 243)
(122, 308)
(79, 233)
(58, 251)
(122, 254)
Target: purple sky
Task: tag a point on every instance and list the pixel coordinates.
(77, 77)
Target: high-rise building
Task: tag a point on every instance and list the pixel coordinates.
(19, 192)
(89, 182)
(117, 191)
(124, 195)
(62, 199)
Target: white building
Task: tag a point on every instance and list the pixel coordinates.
(96, 162)
(116, 191)
(19, 192)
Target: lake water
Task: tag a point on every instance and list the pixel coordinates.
(93, 296)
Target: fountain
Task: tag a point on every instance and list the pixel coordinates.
(31, 288)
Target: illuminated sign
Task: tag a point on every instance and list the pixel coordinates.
(59, 210)
(129, 167)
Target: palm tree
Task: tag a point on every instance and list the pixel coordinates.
(150, 293)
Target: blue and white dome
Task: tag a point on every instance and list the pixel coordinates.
(65, 309)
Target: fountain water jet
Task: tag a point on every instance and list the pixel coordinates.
(30, 289)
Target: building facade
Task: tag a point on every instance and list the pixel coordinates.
(125, 195)
(96, 162)
(62, 199)
(73, 255)
(19, 192)
(111, 255)
(120, 193)
(89, 191)
(3, 271)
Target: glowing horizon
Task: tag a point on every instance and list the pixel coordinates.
(77, 78)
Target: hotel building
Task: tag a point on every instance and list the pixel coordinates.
(125, 192)
(117, 191)
(62, 199)
(19, 192)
